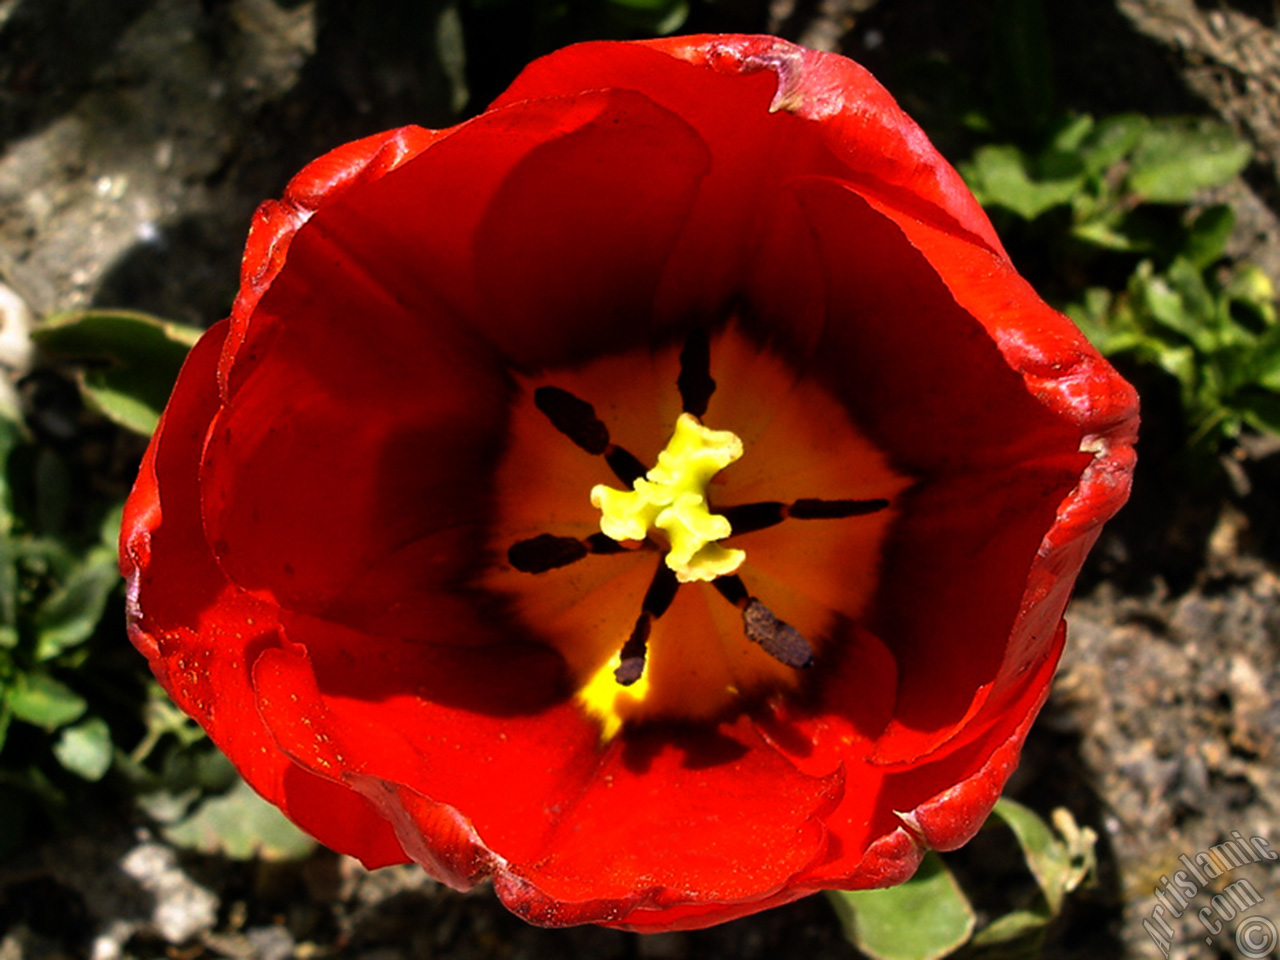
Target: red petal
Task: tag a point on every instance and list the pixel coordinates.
(368, 312)
(879, 834)
(467, 719)
(992, 461)
(950, 818)
(711, 818)
(202, 634)
(876, 146)
(321, 181)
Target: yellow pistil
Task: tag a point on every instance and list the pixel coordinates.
(672, 498)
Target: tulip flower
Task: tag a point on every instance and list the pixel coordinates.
(658, 495)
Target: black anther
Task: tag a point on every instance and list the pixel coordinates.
(545, 552)
(780, 640)
(810, 509)
(573, 417)
(657, 600)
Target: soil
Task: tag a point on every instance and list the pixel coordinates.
(136, 137)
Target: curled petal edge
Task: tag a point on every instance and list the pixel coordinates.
(642, 913)
(1063, 371)
(276, 222)
(852, 108)
(953, 817)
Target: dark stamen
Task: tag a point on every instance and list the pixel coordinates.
(732, 589)
(754, 516)
(633, 653)
(777, 638)
(657, 600)
(599, 543)
(780, 640)
(694, 382)
(575, 418)
(547, 552)
(624, 466)
(662, 590)
(835, 509)
(749, 517)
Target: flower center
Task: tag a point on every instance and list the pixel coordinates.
(656, 616)
(672, 498)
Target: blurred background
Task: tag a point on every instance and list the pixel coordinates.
(1127, 151)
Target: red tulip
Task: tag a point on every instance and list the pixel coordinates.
(366, 551)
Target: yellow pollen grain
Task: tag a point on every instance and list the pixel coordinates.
(672, 497)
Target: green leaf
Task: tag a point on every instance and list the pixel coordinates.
(1000, 175)
(1179, 301)
(163, 719)
(1181, 363)
(1112, 230)
(1265, 361)
(1107, 321)
(38, 699)
(925, 918)
(85, 749)
(70, 614)
(241, 825)
(129, 360)
(1111, 140)
(1092, 315)
(1207, 235)
(1252, 289)
(1059, 863)
(1261, 411)
(1072, 133)
(1199, 302)
(1175, 159)
(1011, 927)
(12, 435)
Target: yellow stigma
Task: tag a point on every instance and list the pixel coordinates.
(673, 498)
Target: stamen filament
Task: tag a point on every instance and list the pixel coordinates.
(577, 420)
(625, 467)
(657, 600)
(548, 552)
(748, 517)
